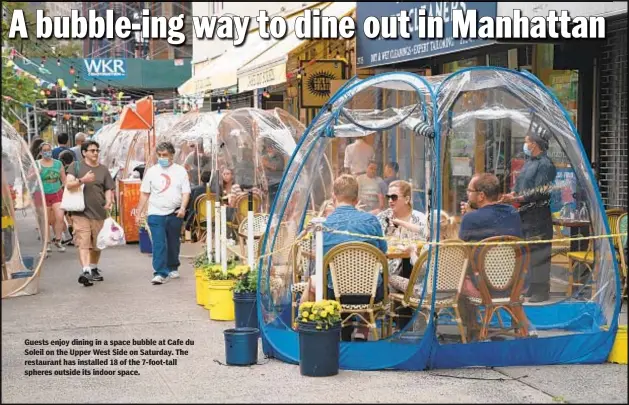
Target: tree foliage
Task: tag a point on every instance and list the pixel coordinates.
(31, 47)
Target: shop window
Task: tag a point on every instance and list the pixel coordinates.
(452, 67)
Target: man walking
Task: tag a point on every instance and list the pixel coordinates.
(98, 194)
(79, 139)
(166, 187)
(62, 141)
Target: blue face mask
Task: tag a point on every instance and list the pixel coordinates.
(163, 162)
(47, 155)
(526, 149)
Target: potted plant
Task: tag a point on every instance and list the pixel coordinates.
(319, 327)
(245, 299)
(221, 289)
(199, 264)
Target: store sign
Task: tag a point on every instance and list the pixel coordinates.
(378, 52)
(316, 81)
(259, 78)
(106, 67)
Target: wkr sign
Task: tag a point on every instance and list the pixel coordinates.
(106, 67)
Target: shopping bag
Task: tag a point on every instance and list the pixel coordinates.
(110, 235)
(73, 201)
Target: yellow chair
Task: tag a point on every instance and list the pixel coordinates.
(200, 218)
(586, 258)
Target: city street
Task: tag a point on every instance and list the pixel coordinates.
(126, 306)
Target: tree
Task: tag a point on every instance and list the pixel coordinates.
(31, 47)
(17, 86)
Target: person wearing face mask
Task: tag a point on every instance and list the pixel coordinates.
(532, 192)
(53, 178)
(166, 188)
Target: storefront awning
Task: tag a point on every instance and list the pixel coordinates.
(221, 72)
(269, 68)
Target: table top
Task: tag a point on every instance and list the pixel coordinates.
(570, 222)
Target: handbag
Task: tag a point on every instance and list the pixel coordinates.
(73, 200)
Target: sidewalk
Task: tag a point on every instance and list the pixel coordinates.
(126, 306)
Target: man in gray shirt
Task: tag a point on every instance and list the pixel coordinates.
(79, 138)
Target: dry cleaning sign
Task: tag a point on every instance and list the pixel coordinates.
(316, 80)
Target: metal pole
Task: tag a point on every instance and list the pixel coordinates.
(224, 238)
(319, 282)
(28, 125)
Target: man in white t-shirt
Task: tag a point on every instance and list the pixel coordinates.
(357, 157)
(166, 187)
(371, 189)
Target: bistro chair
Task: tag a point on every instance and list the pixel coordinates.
(303, 254)
(201, 215)
(259, 227)
(241, 205)
(452, 263)
(501, 273)
(355, 268)
(586, 258)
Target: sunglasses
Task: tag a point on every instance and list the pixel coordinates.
(392, 197)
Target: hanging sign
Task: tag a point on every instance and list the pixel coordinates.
(106, 67)
(316, 81)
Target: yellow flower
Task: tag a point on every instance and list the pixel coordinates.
(329, 308)
(318, 326)
(323, 314)
(312, 317)
(304, 314)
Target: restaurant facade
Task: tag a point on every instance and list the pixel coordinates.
(587, 76)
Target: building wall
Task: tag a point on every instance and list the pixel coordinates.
(203, 49)
(612, 145)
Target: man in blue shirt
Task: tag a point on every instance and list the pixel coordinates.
(62, 141)
(484, 217)
(347, 218)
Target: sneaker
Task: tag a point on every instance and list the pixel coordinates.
(173, 274)
(60, 247)
(96, 275)
(86, 279)
(159, 280)
(49, 248)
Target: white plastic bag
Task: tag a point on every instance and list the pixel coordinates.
(73, 201)
(110, 235)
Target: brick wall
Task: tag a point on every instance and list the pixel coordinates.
(612, 145)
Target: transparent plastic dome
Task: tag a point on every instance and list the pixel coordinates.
(442, 131)
(24, 217)
(123, 150)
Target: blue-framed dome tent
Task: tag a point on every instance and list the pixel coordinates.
(24, 217)
(471, 121)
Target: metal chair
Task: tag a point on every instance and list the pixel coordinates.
(355, 268)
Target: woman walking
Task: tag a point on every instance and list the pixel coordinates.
(53, 178)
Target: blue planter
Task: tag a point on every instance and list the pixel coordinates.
(319, 350)
(245, 310)
(145, 242)
(241, 346)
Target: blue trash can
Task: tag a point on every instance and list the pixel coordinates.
(241, 346)
(245, 310)
(319, 350)
(29, 262)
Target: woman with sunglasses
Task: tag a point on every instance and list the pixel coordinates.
(392, 220)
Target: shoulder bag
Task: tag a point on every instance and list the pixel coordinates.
(73, 200)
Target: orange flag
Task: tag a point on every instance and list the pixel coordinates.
(140, 117)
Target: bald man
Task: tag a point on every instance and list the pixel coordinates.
(79, 138)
